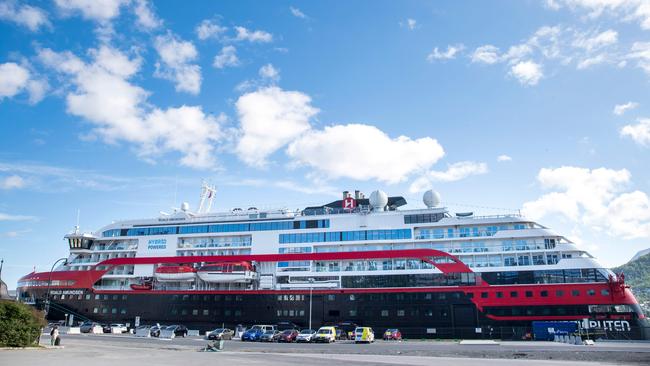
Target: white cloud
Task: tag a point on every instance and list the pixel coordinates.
(592, 42)
(411, 24)
(591, 61)
(226, 58)
(209, 29)
(620, 109)
(640, 51)
(502, 158)
(593, 197)
(119, 110)
(297, 12)
(639, 132)
(28, 16)
(145, 15)
(244, 34)
(450, 53)
(12, 182)
(10, 217)
(487, 54)
(269, 72)
(14, 79)
(527, 72)
(363, 152)
(625, 10)
(454, 172)
(270, 118)
(98, 10)
(177, 57)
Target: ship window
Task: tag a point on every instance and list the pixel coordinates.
(206, 312)
(237, 312)
(575, 292)
(113, 311)
(104, 310)
(529, 294)
(604, 292)
(174, 311)
(514, 294)
(123, 297)
(384, 313)
(499, 294)
(400, 312)
(484, 295)
(183, 312)
(559, 293)
(87, 296)
(95, 310)
(543, 293)
(331, 297)
(123, 311)
(97, 297)
(591, 292)
(227, 312)
(470, 295)
(353, 313)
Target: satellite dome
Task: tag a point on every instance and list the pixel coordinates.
(431, 198)
(185, 206)
(378, 200)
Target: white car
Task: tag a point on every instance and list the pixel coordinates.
(305, 336)
(122, 328)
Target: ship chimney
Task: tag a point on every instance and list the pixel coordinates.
(345, 194)
(357, 194)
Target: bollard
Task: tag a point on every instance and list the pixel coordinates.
(578, 341)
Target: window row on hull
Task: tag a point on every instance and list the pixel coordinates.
(219, 228)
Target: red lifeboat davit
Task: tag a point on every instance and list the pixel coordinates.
(175, 273)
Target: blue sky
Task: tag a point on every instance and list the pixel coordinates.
(110, 107)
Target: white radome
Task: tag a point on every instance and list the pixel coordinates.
(378, 200)
(185, 206)
(431, 198)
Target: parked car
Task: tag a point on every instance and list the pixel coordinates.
(305, 336)
(123, 328)
(392, 334)
(325, 335)
(288, 336)
(179, 330)
(364, 334)
(106, 328)
(341, 335)
(87, 327)
(256, 331)
(348, 327)
(220, 333)
(270, 336)
(155, 330)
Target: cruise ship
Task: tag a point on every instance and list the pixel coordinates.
(357, 260)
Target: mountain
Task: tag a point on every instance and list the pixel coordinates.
(640, 254)
(637, 276)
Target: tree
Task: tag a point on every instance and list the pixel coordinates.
(20, 325)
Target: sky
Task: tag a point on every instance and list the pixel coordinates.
(119, 109)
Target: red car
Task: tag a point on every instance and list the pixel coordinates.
(288, 336)
(392, 335)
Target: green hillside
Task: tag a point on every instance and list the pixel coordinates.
(637, 276)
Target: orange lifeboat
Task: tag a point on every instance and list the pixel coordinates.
(175, 273)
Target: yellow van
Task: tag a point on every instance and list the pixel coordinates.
(364, 334)
(325, 335)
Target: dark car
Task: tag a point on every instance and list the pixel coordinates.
(155, 330)
(87, 327)
(179, 330)
(392, 334)
(288, 336)
(270, 336)
(348, 327)
(220, 333)
(341, 335)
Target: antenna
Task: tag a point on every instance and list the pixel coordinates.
(76, 228)
(207, 194)
(175, 190)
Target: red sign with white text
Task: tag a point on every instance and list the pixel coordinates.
(349, 203)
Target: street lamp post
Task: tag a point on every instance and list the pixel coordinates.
(49, 283)
(311, 290)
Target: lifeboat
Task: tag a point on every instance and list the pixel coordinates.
(228, 272)
(175, 273)
(141, 286)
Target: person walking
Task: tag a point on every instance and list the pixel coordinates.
(54, 334)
